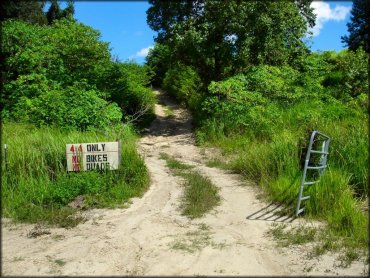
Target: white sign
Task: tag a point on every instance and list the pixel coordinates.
(93, 156)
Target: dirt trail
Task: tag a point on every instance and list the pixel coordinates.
(151, 237)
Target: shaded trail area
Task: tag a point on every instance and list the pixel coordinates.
(151, 237)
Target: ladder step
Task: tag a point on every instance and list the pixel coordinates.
(310, 182)
(305, 198)
(321, 152)
(300, 211)
(316, 167)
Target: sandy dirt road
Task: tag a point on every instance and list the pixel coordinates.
(151, 237)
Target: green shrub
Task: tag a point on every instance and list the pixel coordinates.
(71, 108)
(125, 84)
(236, 109)
(183, 82)
(158, 61)
(66, 51)
(67, 63)
(347, 78)
(278, 84)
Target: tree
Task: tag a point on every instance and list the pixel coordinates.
(45, 65)
(358, 27)
(158, 60)
(219, 38)
(69, 10)
(56, 13)
(66, 52)
(28, 11)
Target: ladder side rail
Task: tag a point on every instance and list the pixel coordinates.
(324, 156)
(301, 188)
(323, 164)
(308, 155)
(322, 134)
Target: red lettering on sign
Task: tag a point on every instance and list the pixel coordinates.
(76, 163)
(76, 167)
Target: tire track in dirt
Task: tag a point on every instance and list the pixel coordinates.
(151, 236)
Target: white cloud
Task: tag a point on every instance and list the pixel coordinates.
(324, 13)
(143, 52)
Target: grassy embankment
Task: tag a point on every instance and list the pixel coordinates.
(273, 158)
(37, 188)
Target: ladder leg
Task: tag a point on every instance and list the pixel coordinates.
(297, 211)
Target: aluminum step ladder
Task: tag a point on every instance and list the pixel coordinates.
(316, 137)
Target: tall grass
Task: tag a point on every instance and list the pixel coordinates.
(200, 194)
(36, 186)
(275, 161)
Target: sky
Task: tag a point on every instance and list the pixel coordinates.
(123, 25)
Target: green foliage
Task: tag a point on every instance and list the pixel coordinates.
(263, 119)
(347, 79)
(56, 13)
(65, 52)
(36, 187)
(183, 82)
(35, 54)
(74, 107)
(219, 39)
(279, 84)
(28, 11)
(80, 51)
(158, 61)
(358, 27)
(126, 84)
(275, 40)
(232, 107)
(62, 75)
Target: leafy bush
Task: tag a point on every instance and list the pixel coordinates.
(74, 107)
(83, 54)
(183, 82)
(235, 109)
(44, 70)
(348, 76)
(66, 51)
(126, 84)
(275, 83)
(158, 60)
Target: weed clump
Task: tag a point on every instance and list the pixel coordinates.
(200, 195)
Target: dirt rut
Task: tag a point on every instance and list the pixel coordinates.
(151, 237)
